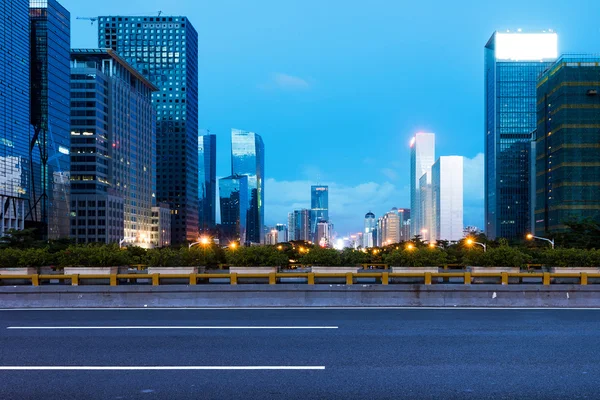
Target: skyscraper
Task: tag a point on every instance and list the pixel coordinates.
(112, 174)
(390, 228)
(15, 178)
(426, 217)
(513, 63)
(50, 117)
(404, 214)
(568, 161)
(422, 157)
(165, 50)
(233, 195)
(248, 158)
(447, 199)
(207, 185)
(299, 225)
(319, 208)
(370, 232)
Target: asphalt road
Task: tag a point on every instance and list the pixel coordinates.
(323, 354)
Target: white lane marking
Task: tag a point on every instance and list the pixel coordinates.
(158, 368)
(292, 308)
(169, 327)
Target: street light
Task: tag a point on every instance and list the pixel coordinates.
(531, 237)
(203, 241)
(471, 242)
(410, 246)
(233, 245)
(124, 240)
(434, 245)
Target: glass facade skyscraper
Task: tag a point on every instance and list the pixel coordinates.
(50, 117)
(513, 63)
(369, 235)
(319, 208)
(14, 114)
(422, 157)
(447, 199)
(248, 158)
(567, 145)
(165, 50)
(233, 195)
(207, 185)
(113, 131)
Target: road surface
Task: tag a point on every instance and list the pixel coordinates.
(299, 354)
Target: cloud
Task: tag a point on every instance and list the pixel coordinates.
(390, 173)
(287, 82)
(347, 203)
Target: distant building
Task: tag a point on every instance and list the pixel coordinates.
(322, 238)
(15, 172)
(447, 199)
(207, 184)
(370, 232)
(319, 208)
(390, 228)
(276, 234)
(404, 214)
(567, 143)
(513, 63)
(299, 225)
(422, 157)
(248, 158)
(49, 143)
(233, 194)
(426, 216)
(112, 154)
(165, 50)
(161, 225)
(282, 233)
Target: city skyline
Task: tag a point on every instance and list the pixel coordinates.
(381, 184)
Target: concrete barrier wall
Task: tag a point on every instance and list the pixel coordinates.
(301, 296)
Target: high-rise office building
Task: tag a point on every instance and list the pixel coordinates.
(233, 195)
(422, 157)
(248, 158)
(390, 228)
(15, 193)
(426, 217)
(299, 225)
(207, 185)
(49, 142)
(113, 131)
(323, 237)
(319, 208)
(404, 214)
(161, 225)
(165, 50)
(282, 233)
(370, 232)
(568, 161)
(513, 63)
(447, 199)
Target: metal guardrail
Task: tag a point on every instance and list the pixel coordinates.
(384, 278)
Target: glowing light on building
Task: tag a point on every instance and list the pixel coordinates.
(517, 46)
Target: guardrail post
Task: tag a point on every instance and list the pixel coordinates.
(467, 278)
(75, 280)
(385, 278)
(35, 280)
(584, 278)
(428, 278)
(155, 279)
(233, 278)
(311, 278)
(113, 279)
(272, 278)
(193, 278)
(546, 279)
(349, 278)
(504, 278)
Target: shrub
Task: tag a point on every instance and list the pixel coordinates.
(351, 257)
(34, 258)
(94, 256)
(9, 258)
(322, 257)
(502, 256)
(256, 256)
(422, 257)
(165, 257)
(569, 258)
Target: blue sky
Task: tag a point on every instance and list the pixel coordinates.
(336, 88)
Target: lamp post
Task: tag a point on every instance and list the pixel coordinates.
(203, 241)
(471, 242)
(124, 240)
(435, 245)
(410, 247)
(531, 237)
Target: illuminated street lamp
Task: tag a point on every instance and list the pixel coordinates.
(471, 242)
(232, 245)
(410, 246)
(203, 241)
(531, 237)
(435, 245)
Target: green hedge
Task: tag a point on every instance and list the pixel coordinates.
(422, 257)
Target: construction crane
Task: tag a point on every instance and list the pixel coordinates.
(94, 19)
